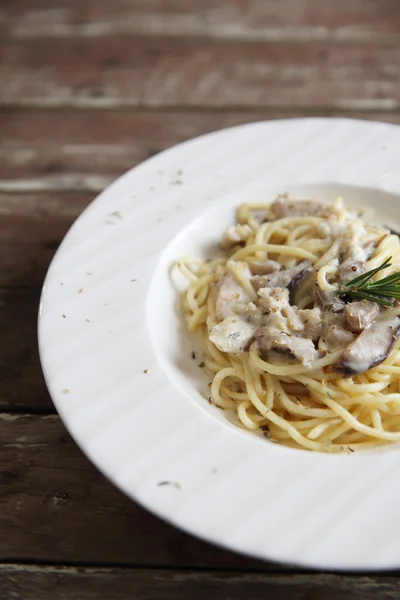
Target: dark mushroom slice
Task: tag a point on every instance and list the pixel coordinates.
(329, 301)
(359, 315)
(302, 288)
(271, 339)
(370, 348)
(288, 278)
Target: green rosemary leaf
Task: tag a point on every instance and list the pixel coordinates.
(382, 292)
(362, 295)
(386, 280)
(362, 279)
(389, 291)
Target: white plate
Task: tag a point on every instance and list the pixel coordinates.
(117, 362)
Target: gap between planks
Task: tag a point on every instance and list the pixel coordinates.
(68, 582)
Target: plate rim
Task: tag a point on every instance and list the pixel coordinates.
(59, 401)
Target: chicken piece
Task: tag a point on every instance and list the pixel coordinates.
(275, 303)
(228, 296)
(312, 322)
(251, 313)
(335, 337)
(273, 299)
(287, 207)
(288, 278)
(359, 315)
(237, 234)
(233, 334)
(271, 339)
(370, 348)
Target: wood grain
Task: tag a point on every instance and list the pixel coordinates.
(187, 72)
(227, 19)
(90, 88)
(21, 380)
(83, 150)
(31, 228)
(22, 582)
(56, 507)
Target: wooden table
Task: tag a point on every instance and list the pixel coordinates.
(90, 88)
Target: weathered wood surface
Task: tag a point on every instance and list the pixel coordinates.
(90, 88)
(70, 150)
(190, 72)
(19, 582)
(31, 227)
(56, 507)
(244, 20)
(21, 381)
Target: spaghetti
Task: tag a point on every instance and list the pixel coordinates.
(291, 357)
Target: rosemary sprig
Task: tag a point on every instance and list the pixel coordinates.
(382, 292)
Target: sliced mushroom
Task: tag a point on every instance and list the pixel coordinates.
(335, 337)
(329, 301)
(359, 315)
(370, 348)
(303, 288)
(288, 278)
(271, 339)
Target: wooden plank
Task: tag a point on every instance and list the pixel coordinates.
(226, 19)
(31, 227)
(82, 150)
(23, 582)
(55, 506)
(21, 380)
(153, 72)
(48, 147)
